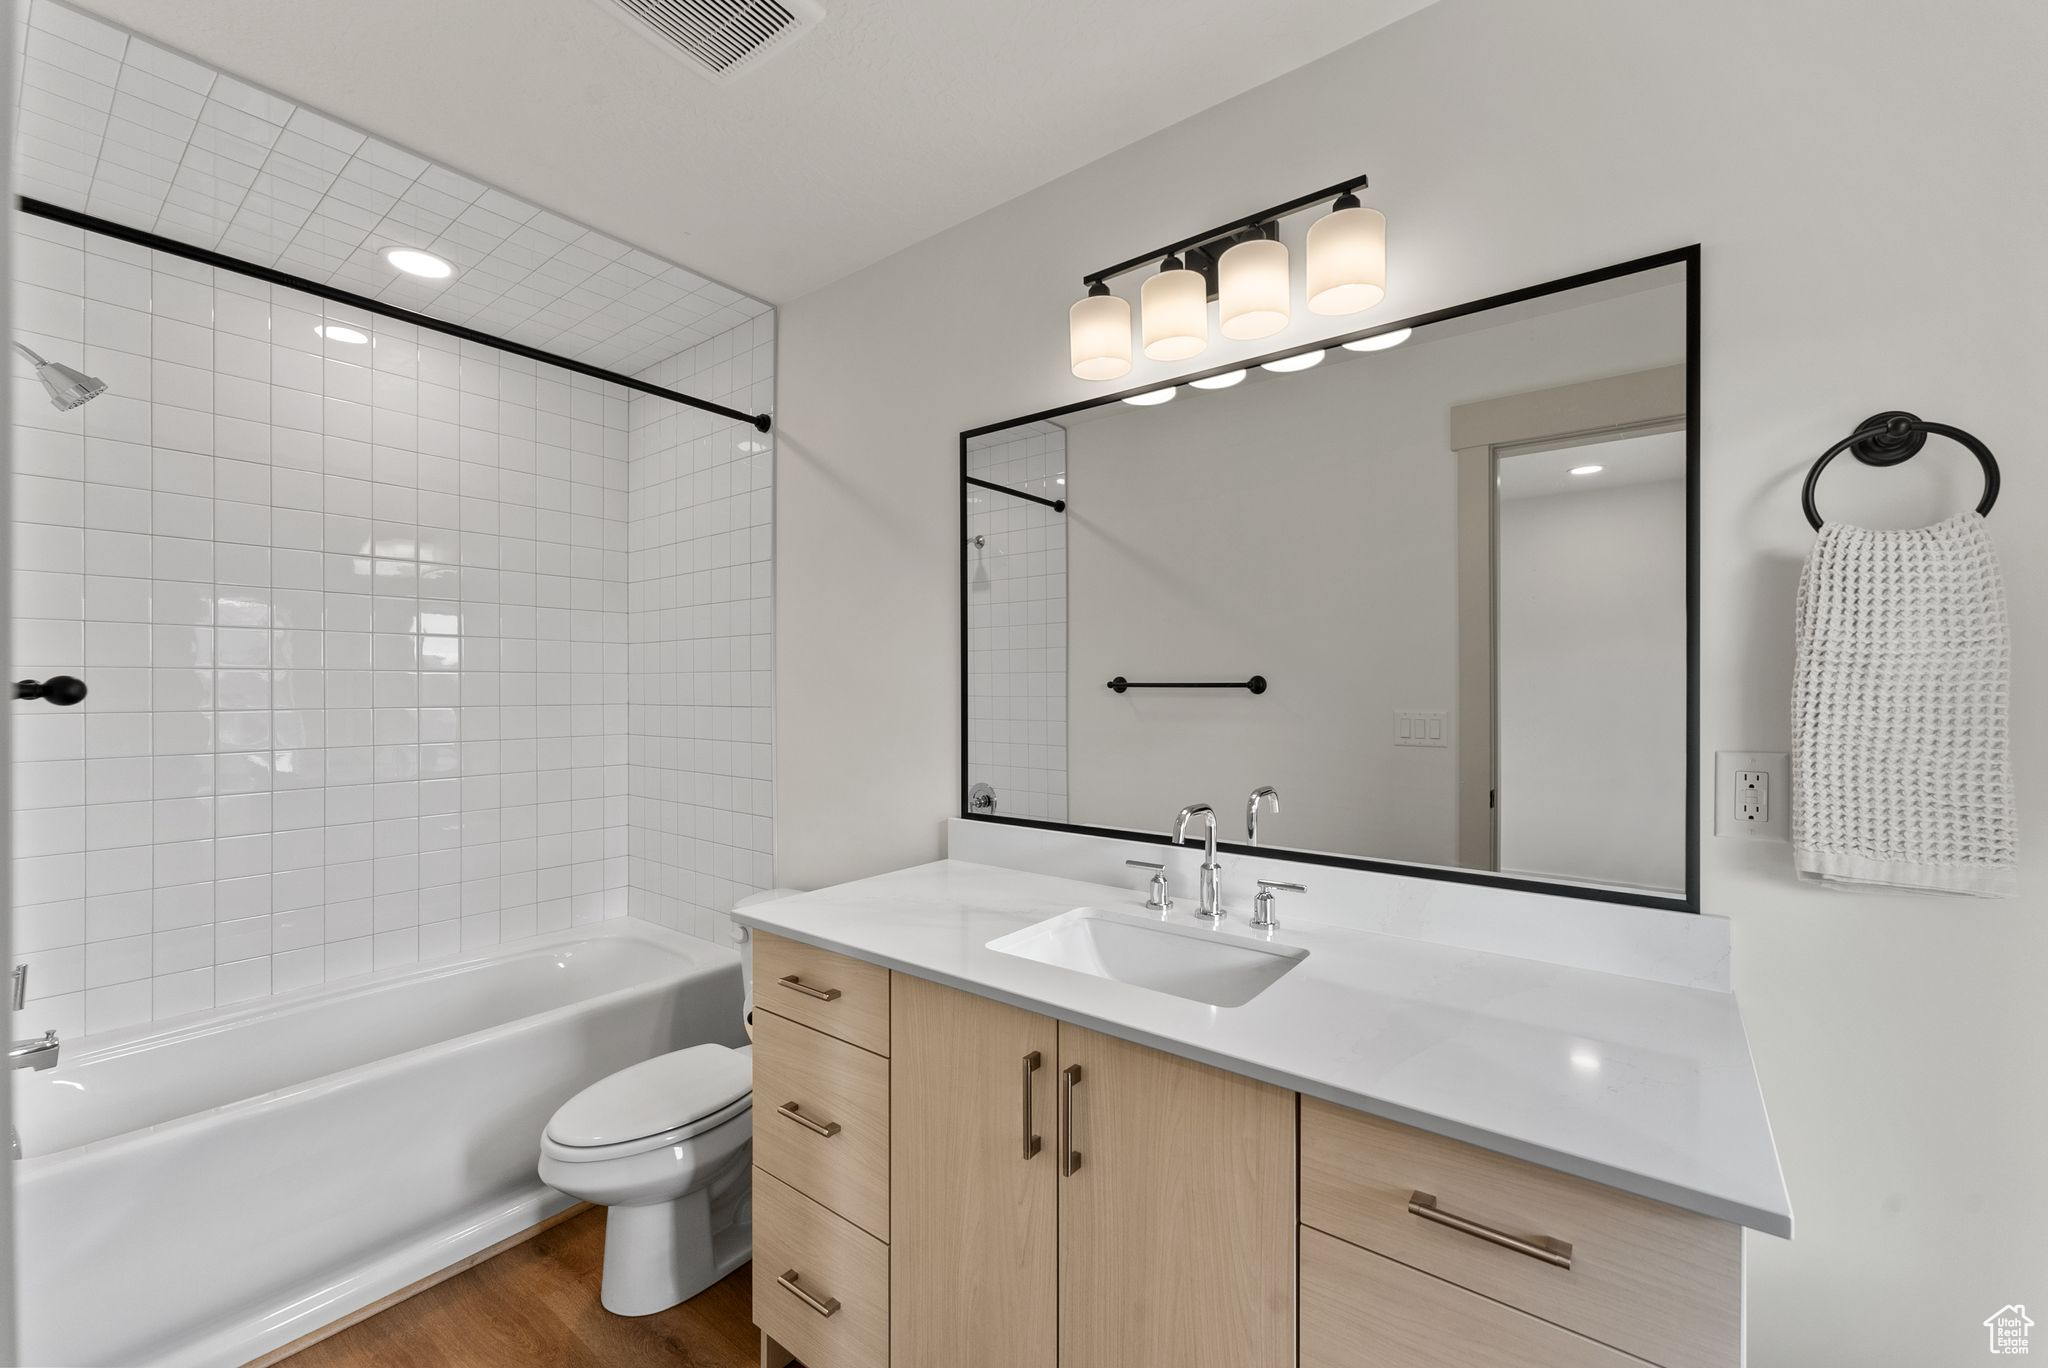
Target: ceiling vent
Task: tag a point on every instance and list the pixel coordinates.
(723, 38)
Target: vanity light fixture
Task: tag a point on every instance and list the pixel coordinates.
(1099, 335)
(1586, 470)
(414, 262)
(1150, 397)
(335, 332)
(1223, 381)
(1300, 361)
(1174, 312)
(1380, 341)
(1347, 258)
(1246, 268)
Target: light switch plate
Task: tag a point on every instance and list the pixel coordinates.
(1412, 728)
(1753, 795)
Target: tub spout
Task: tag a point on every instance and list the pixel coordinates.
(34, 1054)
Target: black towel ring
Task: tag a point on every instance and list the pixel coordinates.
(1889, 438)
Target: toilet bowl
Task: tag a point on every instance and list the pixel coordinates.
(664, 1145)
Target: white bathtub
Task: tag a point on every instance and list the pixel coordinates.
(200, 1194)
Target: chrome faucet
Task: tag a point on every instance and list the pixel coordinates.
(1251, 810)
(30, 1054)
(1212, 893)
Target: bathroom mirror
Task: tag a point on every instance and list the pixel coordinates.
(1435, 589)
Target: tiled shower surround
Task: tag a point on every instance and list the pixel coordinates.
(357, 620)
(1017, 623)
(702, 501)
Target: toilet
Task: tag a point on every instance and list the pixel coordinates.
(666, 1146)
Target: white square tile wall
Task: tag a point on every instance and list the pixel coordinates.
(119, 127)
(702, 682)
(355, 620)
(1017, 623)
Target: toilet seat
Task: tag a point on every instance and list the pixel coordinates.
(656, 1103)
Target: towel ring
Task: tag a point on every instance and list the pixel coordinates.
(1889, 438)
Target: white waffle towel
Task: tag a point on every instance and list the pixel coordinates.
(1901, 771)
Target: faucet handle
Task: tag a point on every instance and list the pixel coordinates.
(20, 986)
(1262, 906)
(1159, 896)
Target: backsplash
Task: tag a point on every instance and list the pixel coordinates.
(357, 622)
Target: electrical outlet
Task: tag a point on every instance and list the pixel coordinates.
(1753, 795)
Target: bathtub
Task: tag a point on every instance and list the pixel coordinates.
(200, 1194)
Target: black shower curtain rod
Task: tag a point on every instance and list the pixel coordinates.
(141, 237)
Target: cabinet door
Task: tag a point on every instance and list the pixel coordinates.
(973, 1205)
(1177, 1212)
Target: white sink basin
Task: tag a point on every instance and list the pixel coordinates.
(1201, 966)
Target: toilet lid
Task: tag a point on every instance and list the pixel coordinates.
(661, 1094)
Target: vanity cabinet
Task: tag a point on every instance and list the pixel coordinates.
(979, 1184)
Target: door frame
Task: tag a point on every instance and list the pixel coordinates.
(1635, 404)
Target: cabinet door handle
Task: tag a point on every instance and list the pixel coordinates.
(1031, 1063)
(791, 982)
(1070, 1158)
(828, 1129)
(823, 1308)
(1556, 1253)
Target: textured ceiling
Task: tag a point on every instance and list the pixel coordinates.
(888, 122)
(127, 130)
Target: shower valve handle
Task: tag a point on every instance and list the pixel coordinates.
(63, 690)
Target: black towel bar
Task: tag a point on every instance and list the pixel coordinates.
(1256, 684)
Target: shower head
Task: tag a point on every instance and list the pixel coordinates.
(68, 388)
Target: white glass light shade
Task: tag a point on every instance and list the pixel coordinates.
(1151, 397)
(1175, 315)
(1252, 289)
(1099, 337)
(1223, 381)
(1347, 261)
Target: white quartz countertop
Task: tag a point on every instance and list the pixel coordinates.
(1639, 1085)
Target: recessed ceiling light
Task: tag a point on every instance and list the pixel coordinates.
(1151, 397)
(1586, 470)
(334, 332)
(1380, 341)
(412, 261)
(1298, 362)
(1223, 381)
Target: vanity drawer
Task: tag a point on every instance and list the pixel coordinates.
(1660, 1283)
(844, 997)
(821, 1285)
(839, 1088)
(1359, 1309)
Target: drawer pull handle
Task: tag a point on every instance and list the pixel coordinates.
(823, 1308)
(828, 1129)
(821, 994)
(1031, 1063)
(1556, 1253)
(1070, 1158)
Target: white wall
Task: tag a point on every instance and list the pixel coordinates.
(1864, 179)
(1590, 661)
(1303, 526)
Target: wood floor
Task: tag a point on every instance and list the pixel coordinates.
(535, 1306)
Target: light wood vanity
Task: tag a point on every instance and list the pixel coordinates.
(964, 1182)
